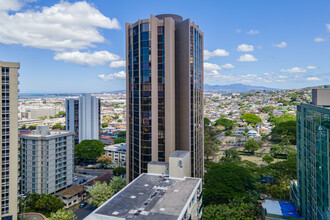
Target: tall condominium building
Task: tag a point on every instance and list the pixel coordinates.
(47, 160)
(164, 92)
(83, 117)
(9, 140)
(313, 145)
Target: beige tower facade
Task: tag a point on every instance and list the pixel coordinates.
(164, 92)
(9, 140)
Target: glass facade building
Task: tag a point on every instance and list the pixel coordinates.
(313, 145)
(164, 92)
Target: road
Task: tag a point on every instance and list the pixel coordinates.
(80, 177)
(82, 213)
(96, 172)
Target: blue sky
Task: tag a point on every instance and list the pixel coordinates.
(79, 46)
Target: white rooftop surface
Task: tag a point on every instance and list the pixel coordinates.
(149, 196)
(273, 207)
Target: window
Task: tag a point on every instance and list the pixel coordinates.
(144, 27)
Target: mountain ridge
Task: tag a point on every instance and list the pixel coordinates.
(237, 87)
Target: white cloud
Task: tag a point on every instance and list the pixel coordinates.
(7, 5)
(283, 77)
(238, 30)
(85, 58)
(228, 66)
(311, 67)
(245, 48)
(247, 58)
(313, 78)
(328, 27)
(253, 32)
(118, 64)
(59, 27)
(211, 73)
(319, 39)
(281, 45)
(294, 70)
(215, 53)
(211, 66)
(112, 76)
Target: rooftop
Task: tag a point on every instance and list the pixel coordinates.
(179, 153)
(44, 132)
(71, 191)
(103, 178)
(280, 208)
(116, 147)
(155, 196)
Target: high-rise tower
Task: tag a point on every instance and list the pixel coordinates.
(83, 117)
(313, 148)
(9, 140)
(164, 92)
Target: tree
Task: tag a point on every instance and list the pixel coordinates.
(228, 124)
(207, 122)
(119, 140)
(122, 134)
(44, 202)
(100, 193)
(211, 143)
(219, 212)
(228, 133)
(49, 203)
(278, 149)
(282, 118)
(89, 149)
(105, 124)
(104, 160)
(280, 190)
(226, 181)
(251, 118)
(251, 145)
(238, 208)
(118, 171)
(60, 114)
(231, 155)
(268, 109)
(282, 169)
(285, 132)
(268, 159)
(23, 127)
(117, 183)
(58, 126)
(62, 214)
(32, 127)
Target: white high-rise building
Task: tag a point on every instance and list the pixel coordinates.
(83, 117)
(47, 160)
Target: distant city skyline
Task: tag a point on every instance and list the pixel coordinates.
(278, 44)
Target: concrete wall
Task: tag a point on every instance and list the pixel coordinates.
(321, 97)
(180, 164)
(13, 138)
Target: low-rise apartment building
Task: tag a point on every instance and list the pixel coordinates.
(47, 160)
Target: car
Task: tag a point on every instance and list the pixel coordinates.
(82, 205)
(80, 182)
(85, 173)
(75, 179)
(90, 165)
